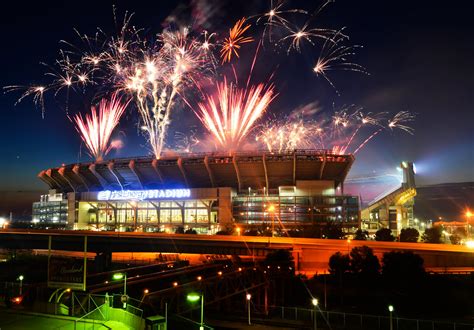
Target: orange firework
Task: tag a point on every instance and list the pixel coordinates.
(233, 43)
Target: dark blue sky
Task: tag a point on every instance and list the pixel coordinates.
(419, 54)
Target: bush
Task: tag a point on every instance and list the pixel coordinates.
(432, 235)
(385, 235)
(455, 239)
(333, 231)
(409, 235)
(179, 230)
(361, 235)
(191, 231)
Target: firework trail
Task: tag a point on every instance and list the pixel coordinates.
(186, 142)
(234, 41)
(275, 17)
(229, 117)
(334, 56)
(95, 129)
(398, 121)
(36, 91)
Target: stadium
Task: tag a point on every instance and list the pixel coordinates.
(207, 192)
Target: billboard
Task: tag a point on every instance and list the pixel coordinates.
(67, 272)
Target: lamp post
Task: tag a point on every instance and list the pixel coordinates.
(315, 305)
(390, 309)
(248, 296)
(21, 278)
(118, 277)
(194, 297)
(469, 214)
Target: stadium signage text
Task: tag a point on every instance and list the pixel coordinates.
(115, 195)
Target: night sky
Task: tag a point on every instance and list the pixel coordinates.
(419, 55)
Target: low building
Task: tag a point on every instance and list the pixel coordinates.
(52, 209)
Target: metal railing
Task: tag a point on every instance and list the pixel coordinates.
(173, 155)
(341, 320)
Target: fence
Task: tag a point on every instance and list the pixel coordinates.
(339, 320)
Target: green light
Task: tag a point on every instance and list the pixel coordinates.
(193, 297)
(390, 308)
(21, 277)
(118, 276)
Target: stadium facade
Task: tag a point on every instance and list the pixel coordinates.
(207, 192)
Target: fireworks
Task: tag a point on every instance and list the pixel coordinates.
(234, 41)
(229, 117)
(334, 56)
(95, 129)
(287, 136)
(345, 127)
(177, 64)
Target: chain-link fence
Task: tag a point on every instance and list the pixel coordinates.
(339, 320)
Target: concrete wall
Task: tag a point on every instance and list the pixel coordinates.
(314, 187)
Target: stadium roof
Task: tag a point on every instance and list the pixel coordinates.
(237, 170)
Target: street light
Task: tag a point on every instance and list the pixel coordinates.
(248, 296)
(390, 309)
(194, 297)
(314, 301)
(21, 277)
(118, 277)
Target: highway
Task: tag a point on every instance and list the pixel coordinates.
(310, 254)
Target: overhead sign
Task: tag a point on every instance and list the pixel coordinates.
(64, 272)
(116, 195)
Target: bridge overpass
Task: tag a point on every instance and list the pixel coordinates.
(311, 255)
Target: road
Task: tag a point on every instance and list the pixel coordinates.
(311, 255)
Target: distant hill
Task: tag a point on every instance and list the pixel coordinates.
(18, 202)
(446, 200)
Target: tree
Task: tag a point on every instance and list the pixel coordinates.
(385, 235)
(333, 231)
(280, 261)
(409, 235)
(364, 261)
(339, 264)
(402, 266)
(432, 235)
(361, 235)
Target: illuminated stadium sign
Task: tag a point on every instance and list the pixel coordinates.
(116, 195)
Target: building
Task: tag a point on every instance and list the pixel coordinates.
(208, 192)
(52, 209)
(395, 209)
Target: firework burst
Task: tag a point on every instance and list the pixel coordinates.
(229, 117)
(335, 56)
(95, 129)
(235, 40)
